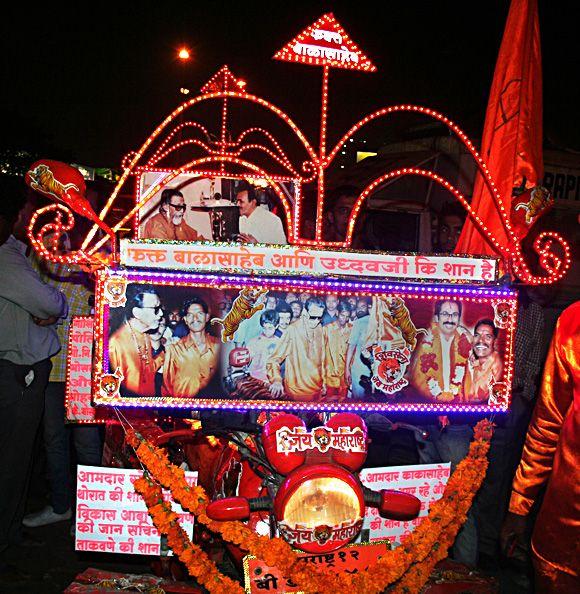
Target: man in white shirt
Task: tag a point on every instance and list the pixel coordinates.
(29, 311)
(257, 225)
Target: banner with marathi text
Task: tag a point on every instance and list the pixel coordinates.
(112, 518)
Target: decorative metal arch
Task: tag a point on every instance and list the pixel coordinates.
(226, 152)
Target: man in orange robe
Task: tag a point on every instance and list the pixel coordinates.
(302, 350)
(191, 363)
(551, 457)
(169, 222)
(335, 337)
(130, 348)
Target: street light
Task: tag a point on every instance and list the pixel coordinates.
(184, 54)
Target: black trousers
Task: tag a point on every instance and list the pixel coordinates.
(21, 408)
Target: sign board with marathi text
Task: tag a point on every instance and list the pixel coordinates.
(259, 577)
(307, 261)
(425, 481)
(112, 518)
(79, 408)
(325, 43)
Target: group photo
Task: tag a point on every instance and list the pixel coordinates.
(182, 342)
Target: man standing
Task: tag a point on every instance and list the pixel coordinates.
(331, 313)
(550, 459)
(29, 310)
(130, 348)
(301, 350)
(169, 222)
(257, 225)
(484, 365)
(335, 337)
(191, 363)
(75, 284)
(450, 222)
(343, 200)
(262, 346)
(440, 360)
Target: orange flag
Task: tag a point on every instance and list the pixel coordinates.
(512, 136)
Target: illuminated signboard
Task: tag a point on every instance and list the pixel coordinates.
(225, 341)
(307, 261)
(325, 43)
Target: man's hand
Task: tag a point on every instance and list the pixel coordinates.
(347, 377)
(513, 535)
(247, 238)
(46, 321)
(443, 421)
(277, 390)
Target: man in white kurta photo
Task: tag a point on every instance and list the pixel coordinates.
(257, 224)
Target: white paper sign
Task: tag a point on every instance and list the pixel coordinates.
(112, 518)
(426, 481)
(289, 259)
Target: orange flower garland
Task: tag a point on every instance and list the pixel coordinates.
(405, 568)
(199, 565)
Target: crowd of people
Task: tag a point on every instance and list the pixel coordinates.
(306, 347)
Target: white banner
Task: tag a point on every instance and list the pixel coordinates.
(203, 256)
(425, 481)
(112, 518)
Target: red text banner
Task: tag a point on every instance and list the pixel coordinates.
(79, 408)
(205, 256)
(425, 481)
(112, 518)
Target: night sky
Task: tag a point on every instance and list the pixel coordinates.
(91, 82)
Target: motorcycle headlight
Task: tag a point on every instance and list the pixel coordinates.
(319, 508)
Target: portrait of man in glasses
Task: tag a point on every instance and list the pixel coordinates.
(301, 350)
(169, 222)
(130, 346)
(440, 360)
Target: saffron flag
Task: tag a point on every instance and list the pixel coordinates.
(512, 136)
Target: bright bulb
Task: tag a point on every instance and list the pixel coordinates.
(184, 54)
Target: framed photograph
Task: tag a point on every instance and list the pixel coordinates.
(209, 341)
(198, 206)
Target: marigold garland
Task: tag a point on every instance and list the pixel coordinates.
(199, 565)
(405, 569)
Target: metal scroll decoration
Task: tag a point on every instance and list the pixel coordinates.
(179, 145)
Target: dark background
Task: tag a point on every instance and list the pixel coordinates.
(88, 81)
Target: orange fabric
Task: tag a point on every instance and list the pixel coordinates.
(550, 580)
(426, 373)
(512, 137)
(335, 341)
(479, 378)
(187, 370)
(123, 354)
(552, 451)
(158, 227)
